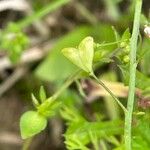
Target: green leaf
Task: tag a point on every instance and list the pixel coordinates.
(126, 35)
(70, 114)
(81, 130)
(56, 66)
(34, 100)
(42, 94)
(49, 107)
(141, 132)
(32, 123)
(139, 143)
(145, 54)
(142, 81)
(83, 56)
(125, 38)
(73, 55)
(86, 50)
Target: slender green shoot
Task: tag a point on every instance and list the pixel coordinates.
(44, 11)
(110, 92)
(132, 70)
(26, 144)
(66, 85)
(110, 43)
(86, 13)
(80, 89)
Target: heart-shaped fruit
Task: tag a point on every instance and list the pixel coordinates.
(83, 55)
(32, 123)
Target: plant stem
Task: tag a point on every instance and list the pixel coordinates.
(65, 85)
(132, 70)
(109, 44)
(109, 91)
(44, 11)
(80, 89)
(86, 13)
(27, 144)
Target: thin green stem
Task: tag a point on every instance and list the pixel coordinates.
(103, 145)
(110, 43)
(26, 144)
(94, 140)
(38, 15)
(80, 89)
(65, 85)
(54, 97)
(132, 70)
(110, 92)
(86, 13)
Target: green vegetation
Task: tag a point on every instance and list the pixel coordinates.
(95, 80)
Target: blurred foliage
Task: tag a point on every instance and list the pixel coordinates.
(51, 69)
(79, 130)
(14, 41)
(98, 123)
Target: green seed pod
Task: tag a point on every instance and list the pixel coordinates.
(32, 123)
(127, 49)
(123, 44)
(126, 59)
(83, 55)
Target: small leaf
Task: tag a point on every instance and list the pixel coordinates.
(142, 81)
(32, 123)
(73, 55)
(125, 38)
(126, 35)
(42, 94)
(86, 50)
(83, 56)
(70, 114)
(79, 131)
(34, 100)
(49, 107)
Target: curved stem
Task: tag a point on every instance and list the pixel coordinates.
(80, 89)
(132, 70)
(65, 85)
(110, 92)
